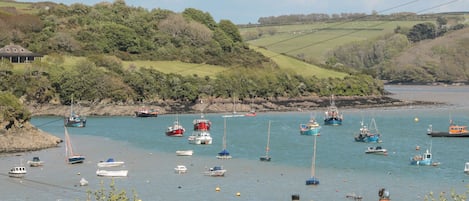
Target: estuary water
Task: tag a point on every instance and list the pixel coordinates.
(342, 166)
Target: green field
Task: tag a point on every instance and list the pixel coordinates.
(20, 6)
(313, 41)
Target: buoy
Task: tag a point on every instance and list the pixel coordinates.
(417, 147)
(238, 194)
(416, 119)
(217, 189)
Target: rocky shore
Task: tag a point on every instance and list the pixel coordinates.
(25, 137)
(225, 106)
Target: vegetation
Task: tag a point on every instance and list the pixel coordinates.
(113, 194)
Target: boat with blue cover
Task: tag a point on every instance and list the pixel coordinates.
(310, 128)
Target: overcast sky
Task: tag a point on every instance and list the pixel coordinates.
(249, 11)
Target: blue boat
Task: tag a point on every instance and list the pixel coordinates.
(368, 134)
(311, 128)
(424, 159)
(332, 115)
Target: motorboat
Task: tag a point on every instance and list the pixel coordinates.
(180, 169)
(216, 171)
(112, 173)
(36, 162)
(184, 152)
(17, 172)
(376, 150)
(110, 162)
(200, 137)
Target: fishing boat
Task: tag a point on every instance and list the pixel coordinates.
(184, 152)
(110, 162)
(368, 134)
(224, 153)
(202, 124)
(313, 180)
(332, 115)
(376, 150)
(112, 173)
(454, 130)
(200, 137)
(216, 171)
(17, 172)
(176, 130)
(180, 169)
(310, 128)
(36, 162)
(424, 159)
(71, 157)
(74, 119)
(145, 112)
(266, 157)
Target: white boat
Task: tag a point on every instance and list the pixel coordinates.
(376, 150)
(17, 172)
(233, 114)
(466, 168)
(110, 162)
(180, 169)
(36, 162)
(112, 173)
(266, 157)
(83, 182)
(216, 171)
(184, 152)
(224, 154)
(200, 137)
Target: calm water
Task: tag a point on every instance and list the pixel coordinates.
(341, 163)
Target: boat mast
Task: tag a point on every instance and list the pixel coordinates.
(267, 148)
(313, 163)
(68, 144)
(224, 133)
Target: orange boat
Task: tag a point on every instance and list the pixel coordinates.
(453, 131)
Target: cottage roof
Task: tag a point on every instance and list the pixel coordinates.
(16, 50)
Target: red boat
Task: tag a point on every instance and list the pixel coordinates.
(176, 130)
(202, 124)
(251, 114)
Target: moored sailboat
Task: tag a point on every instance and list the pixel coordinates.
(74, 119)
(266, 157)
(313, 180)
(71, 157)
(224, 154)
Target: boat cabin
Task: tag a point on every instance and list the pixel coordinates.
(455, 129)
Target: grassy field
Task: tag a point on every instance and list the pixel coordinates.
(22, 7)
(313, 41)
(293, 65)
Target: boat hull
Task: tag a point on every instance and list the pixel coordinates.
(75, 123)
(368, 139)
(265, 158)
(184, 153)
(313, 131)
(332, 121)
(175, 133)
(447, 134)
(76, 159)
(312, 181)
(112, 173)
(111, 164)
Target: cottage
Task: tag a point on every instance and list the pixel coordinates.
(18, 54)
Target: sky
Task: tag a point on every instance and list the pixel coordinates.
(249, 11)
